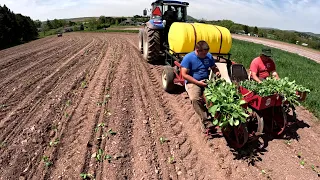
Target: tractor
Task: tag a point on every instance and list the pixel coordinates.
(153, 38)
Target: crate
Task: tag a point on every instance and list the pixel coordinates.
(258, 102)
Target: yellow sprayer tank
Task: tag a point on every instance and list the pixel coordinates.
(183, 36)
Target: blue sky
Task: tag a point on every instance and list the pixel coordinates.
(301, 15)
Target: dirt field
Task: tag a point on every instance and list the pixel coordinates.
(88, 91)
(300, 50)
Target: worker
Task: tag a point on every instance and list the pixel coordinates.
(263, 66)
(195, 70)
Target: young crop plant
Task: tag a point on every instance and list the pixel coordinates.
(54, 143)
(287, 89)
(225, 103)
(46, 161)
(86, 175)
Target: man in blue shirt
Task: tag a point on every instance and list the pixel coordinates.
(195, 70)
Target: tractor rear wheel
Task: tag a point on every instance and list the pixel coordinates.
(151, 45)
(167, 79)
(141, 40)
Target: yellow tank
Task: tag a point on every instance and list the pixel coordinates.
(183, 36)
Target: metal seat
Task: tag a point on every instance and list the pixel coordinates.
(238, 73)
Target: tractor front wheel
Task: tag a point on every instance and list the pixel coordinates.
(167, 79)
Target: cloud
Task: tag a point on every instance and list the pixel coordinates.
(301, 15)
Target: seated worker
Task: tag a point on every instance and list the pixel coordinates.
(195, 70)
(263, 66)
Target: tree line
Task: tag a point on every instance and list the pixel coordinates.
(15, 28)
(275, 34)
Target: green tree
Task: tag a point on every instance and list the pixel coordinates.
(246, 29)
(45, 28)
(256, 30)
(15, 28)
(49, 24)
(38, 23)
(226, 23)
(102, 20)
(235, 28)
(92, 25)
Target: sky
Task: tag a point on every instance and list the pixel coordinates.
(300, 15)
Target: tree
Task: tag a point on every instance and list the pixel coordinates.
(81, 27)
(255, 30)
(226, 23)
(235, 28)
(15, 28)
(92, 25)
(45, 28)
(38, 23)
(49, 24)
(102, 20)
(246, 29)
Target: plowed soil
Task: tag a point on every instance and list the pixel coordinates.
(87, 103)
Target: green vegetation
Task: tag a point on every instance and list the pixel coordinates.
(303, 70)
(294, 37)
(15, 28)
(271, 86)
(225, 103)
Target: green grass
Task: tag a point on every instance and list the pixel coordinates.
(303, 70)
(48, 33)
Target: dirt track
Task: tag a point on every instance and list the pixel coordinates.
(302, 51)
(80, 88)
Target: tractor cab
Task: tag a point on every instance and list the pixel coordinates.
(169, 10)
(153, 38)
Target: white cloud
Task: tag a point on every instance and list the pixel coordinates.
(301, 15)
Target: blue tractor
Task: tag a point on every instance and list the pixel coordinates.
(153, 38)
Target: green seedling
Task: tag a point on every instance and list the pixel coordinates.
(68, 103)
(108, 157)
(83, 84)
(47, 161)
(171, 160)
(85, 175)
(106, 112)
(2, 144)
(163, 140)
(99, 103)
(112, 132)
(302, 162)
(66, 115)
(98, 155)
(107, 97)
(3, 106)
(263, 171)
(288, 142)
(54, 143)
(54, 128)
(99, 125)
(315, 170)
